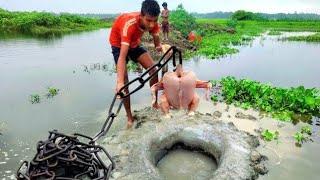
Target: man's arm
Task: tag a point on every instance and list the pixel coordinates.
(156, 41)
(121, 66)
(204, 84)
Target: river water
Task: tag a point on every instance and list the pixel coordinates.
(79, 65)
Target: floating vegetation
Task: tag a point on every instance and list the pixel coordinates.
(110, 67)
(304, 135)
(134, 67)
(281, 103)
(300, 138)
(35, 98)
(52, 92)
(274, 33)
(311, 38)
(306, 130)
(216, 41)
(268, 135)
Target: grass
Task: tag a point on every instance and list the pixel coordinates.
(42, 24)
(311, 38)
(274, 33)
(218, 42)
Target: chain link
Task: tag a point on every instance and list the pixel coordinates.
(65, 157)
(159, 65)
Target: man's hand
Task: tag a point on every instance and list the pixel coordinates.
(159, 49)
(165, 48)
(118, 87)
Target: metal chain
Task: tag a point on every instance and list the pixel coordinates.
(158, 66)
(65, 157)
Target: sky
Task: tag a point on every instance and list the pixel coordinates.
(200, 6)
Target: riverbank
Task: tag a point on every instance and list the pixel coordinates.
(217, 44)
(43, 24)
(280, 153)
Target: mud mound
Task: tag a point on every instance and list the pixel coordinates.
(137, 151)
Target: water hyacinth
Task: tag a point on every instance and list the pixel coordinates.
(282, 103)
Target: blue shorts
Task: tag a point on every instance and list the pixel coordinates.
(133, 54)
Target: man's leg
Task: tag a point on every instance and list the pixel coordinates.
(146, 61)
(193, 105)
(126, 103)
(164, 104)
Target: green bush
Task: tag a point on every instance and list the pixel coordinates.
(182, 20)
(242, 15)
(45, 24)
(232, 23)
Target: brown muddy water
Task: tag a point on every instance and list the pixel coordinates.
(79, 65)
(182, 164)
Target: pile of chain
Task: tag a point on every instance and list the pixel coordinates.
(65, 157)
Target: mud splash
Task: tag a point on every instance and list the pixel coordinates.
(137, 151)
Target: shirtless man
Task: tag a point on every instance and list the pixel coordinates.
(179, 91)
(165, 20)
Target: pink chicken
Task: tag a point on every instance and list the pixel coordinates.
(179, 91)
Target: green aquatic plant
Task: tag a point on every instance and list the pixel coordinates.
(306, 130)
(280, 103)
(35, 98)
(214, 98)
(217, 42)
(300, 138)
(311, 38)
(134, 67)
(52, 92)
(274, 33)
(269, 135)
(303, 135)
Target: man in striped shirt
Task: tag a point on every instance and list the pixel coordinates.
(125, 39)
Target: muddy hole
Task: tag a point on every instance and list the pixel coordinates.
(182, 162)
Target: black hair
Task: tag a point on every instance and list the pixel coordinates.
(164, 4)
(150, 7)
